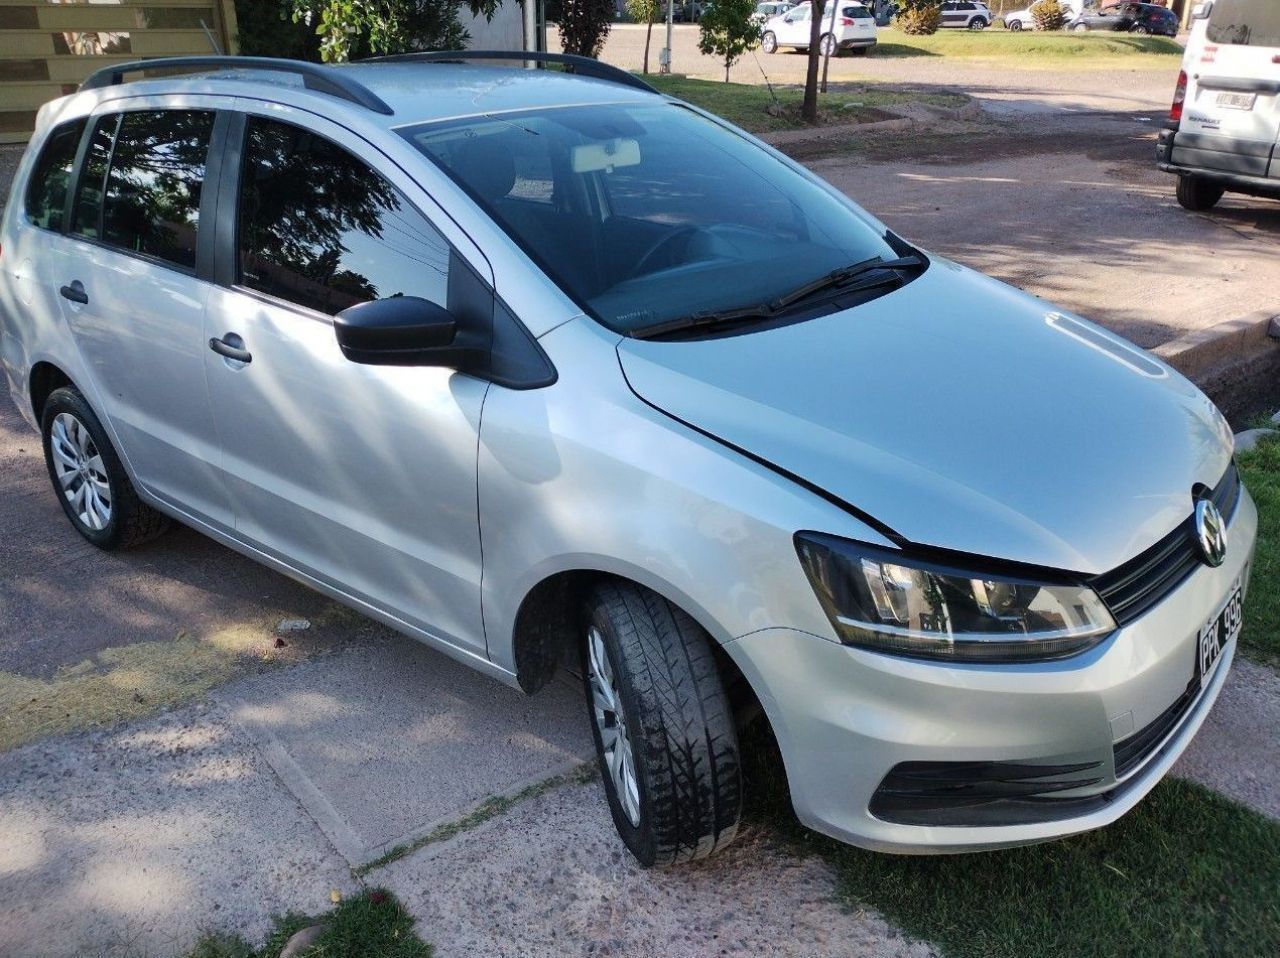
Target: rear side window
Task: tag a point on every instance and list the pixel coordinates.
(46, 198)
(152, 201)
(1245, 23)
(321, 229)
(86, 216)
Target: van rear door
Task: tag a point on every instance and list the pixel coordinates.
(1231, 120)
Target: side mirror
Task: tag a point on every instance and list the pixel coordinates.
(1202, 10)
(399, 331)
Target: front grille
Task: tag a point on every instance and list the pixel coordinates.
(1141, 583)
(1133, 751)
(969, 793)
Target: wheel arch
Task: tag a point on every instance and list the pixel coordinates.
(44, 378)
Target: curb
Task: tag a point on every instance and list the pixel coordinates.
(1236, 363)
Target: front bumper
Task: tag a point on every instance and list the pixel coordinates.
(845, 717)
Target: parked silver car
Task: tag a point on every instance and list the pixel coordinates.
(544, 367)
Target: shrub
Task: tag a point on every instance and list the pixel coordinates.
(1048, 15)
(919, 17)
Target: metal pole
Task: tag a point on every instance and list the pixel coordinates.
(664, 58)
(530, 28)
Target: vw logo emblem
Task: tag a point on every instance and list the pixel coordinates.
(1211, 532)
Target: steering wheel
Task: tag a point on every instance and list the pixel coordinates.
(683, 234)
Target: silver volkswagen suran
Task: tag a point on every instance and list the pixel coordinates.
(540, 366)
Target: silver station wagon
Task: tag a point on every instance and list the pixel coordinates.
(548, 370)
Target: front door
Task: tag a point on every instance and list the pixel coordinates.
(362, 477)
(794, 31)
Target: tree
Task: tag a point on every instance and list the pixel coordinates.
(809, 108)
(1048, 15)
(646, 12)
(354, 28)
(584, 24)
(726, 30)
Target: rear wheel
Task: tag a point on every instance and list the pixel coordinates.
(827, 45)
(977, 23)
(1081, 28)
(90, 482)
(769, 42)
(663, 728)
(1015, 26)
(1141, 29)
(1198, 194)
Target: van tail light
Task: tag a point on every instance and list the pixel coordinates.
(846, 22)
(1179, 97)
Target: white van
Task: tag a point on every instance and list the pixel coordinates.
(1224, 128)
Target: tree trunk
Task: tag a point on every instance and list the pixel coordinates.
(726, 69)
(809, 110)
(648, 35)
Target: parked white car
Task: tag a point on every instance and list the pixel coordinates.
(850, 26)
(966, 15)
(1023, 20)
(767, 11)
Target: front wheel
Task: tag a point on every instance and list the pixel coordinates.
(1198, 194)
(88, 477)
(663, 728)
(1015, 26)
(769, 42)
(1081, 28)
(977, 23)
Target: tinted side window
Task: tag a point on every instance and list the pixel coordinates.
(321, 229)
(152, 202)
(87, 215)
(46, 197)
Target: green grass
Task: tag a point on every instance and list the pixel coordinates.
(1187, 873)
(373, 924)
(748, 105)
(1261, 634)
(1057, 48)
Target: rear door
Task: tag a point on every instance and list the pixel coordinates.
(133, 298)
(1231, 120)
(362, 477)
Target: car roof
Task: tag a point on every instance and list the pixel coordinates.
(414, 92)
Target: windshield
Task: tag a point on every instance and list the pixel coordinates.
(648, 213)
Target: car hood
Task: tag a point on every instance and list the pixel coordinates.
(962, 414)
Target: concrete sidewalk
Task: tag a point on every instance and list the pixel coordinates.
(262, 798)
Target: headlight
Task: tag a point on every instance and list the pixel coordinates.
(880, 599)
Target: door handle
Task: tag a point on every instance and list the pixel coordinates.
(75, 292)
(232, 347)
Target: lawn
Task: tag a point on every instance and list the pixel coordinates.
(1057, 49)
(1261, 635)
(748, 105)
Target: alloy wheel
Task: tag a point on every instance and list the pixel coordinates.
(81, 475)
(615, 743)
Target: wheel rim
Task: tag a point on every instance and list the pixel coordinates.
(828, 46)
(81, 475)
(619, 757)
(769, 43)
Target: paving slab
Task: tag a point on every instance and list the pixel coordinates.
(1237, 751)
(129, 842)
(551, 879)
(384, 741)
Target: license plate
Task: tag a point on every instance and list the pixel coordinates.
(1220, 631)
(1237, 101)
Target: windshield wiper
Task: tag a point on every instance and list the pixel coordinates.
(839, 277)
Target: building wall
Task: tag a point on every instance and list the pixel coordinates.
(47, 47)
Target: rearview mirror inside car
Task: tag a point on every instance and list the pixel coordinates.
(591, 157)
(398, 331)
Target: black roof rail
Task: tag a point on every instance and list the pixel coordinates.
(583, 66)
(314, 76)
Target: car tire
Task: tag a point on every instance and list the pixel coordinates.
(769, 42)
(1081, 28)
(88, 478)
(1014, 25)
(977, 24)
(663, 728)
(1140, 29)
(1198, 194)
(827, 46)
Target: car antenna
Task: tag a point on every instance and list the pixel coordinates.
(213, 41)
